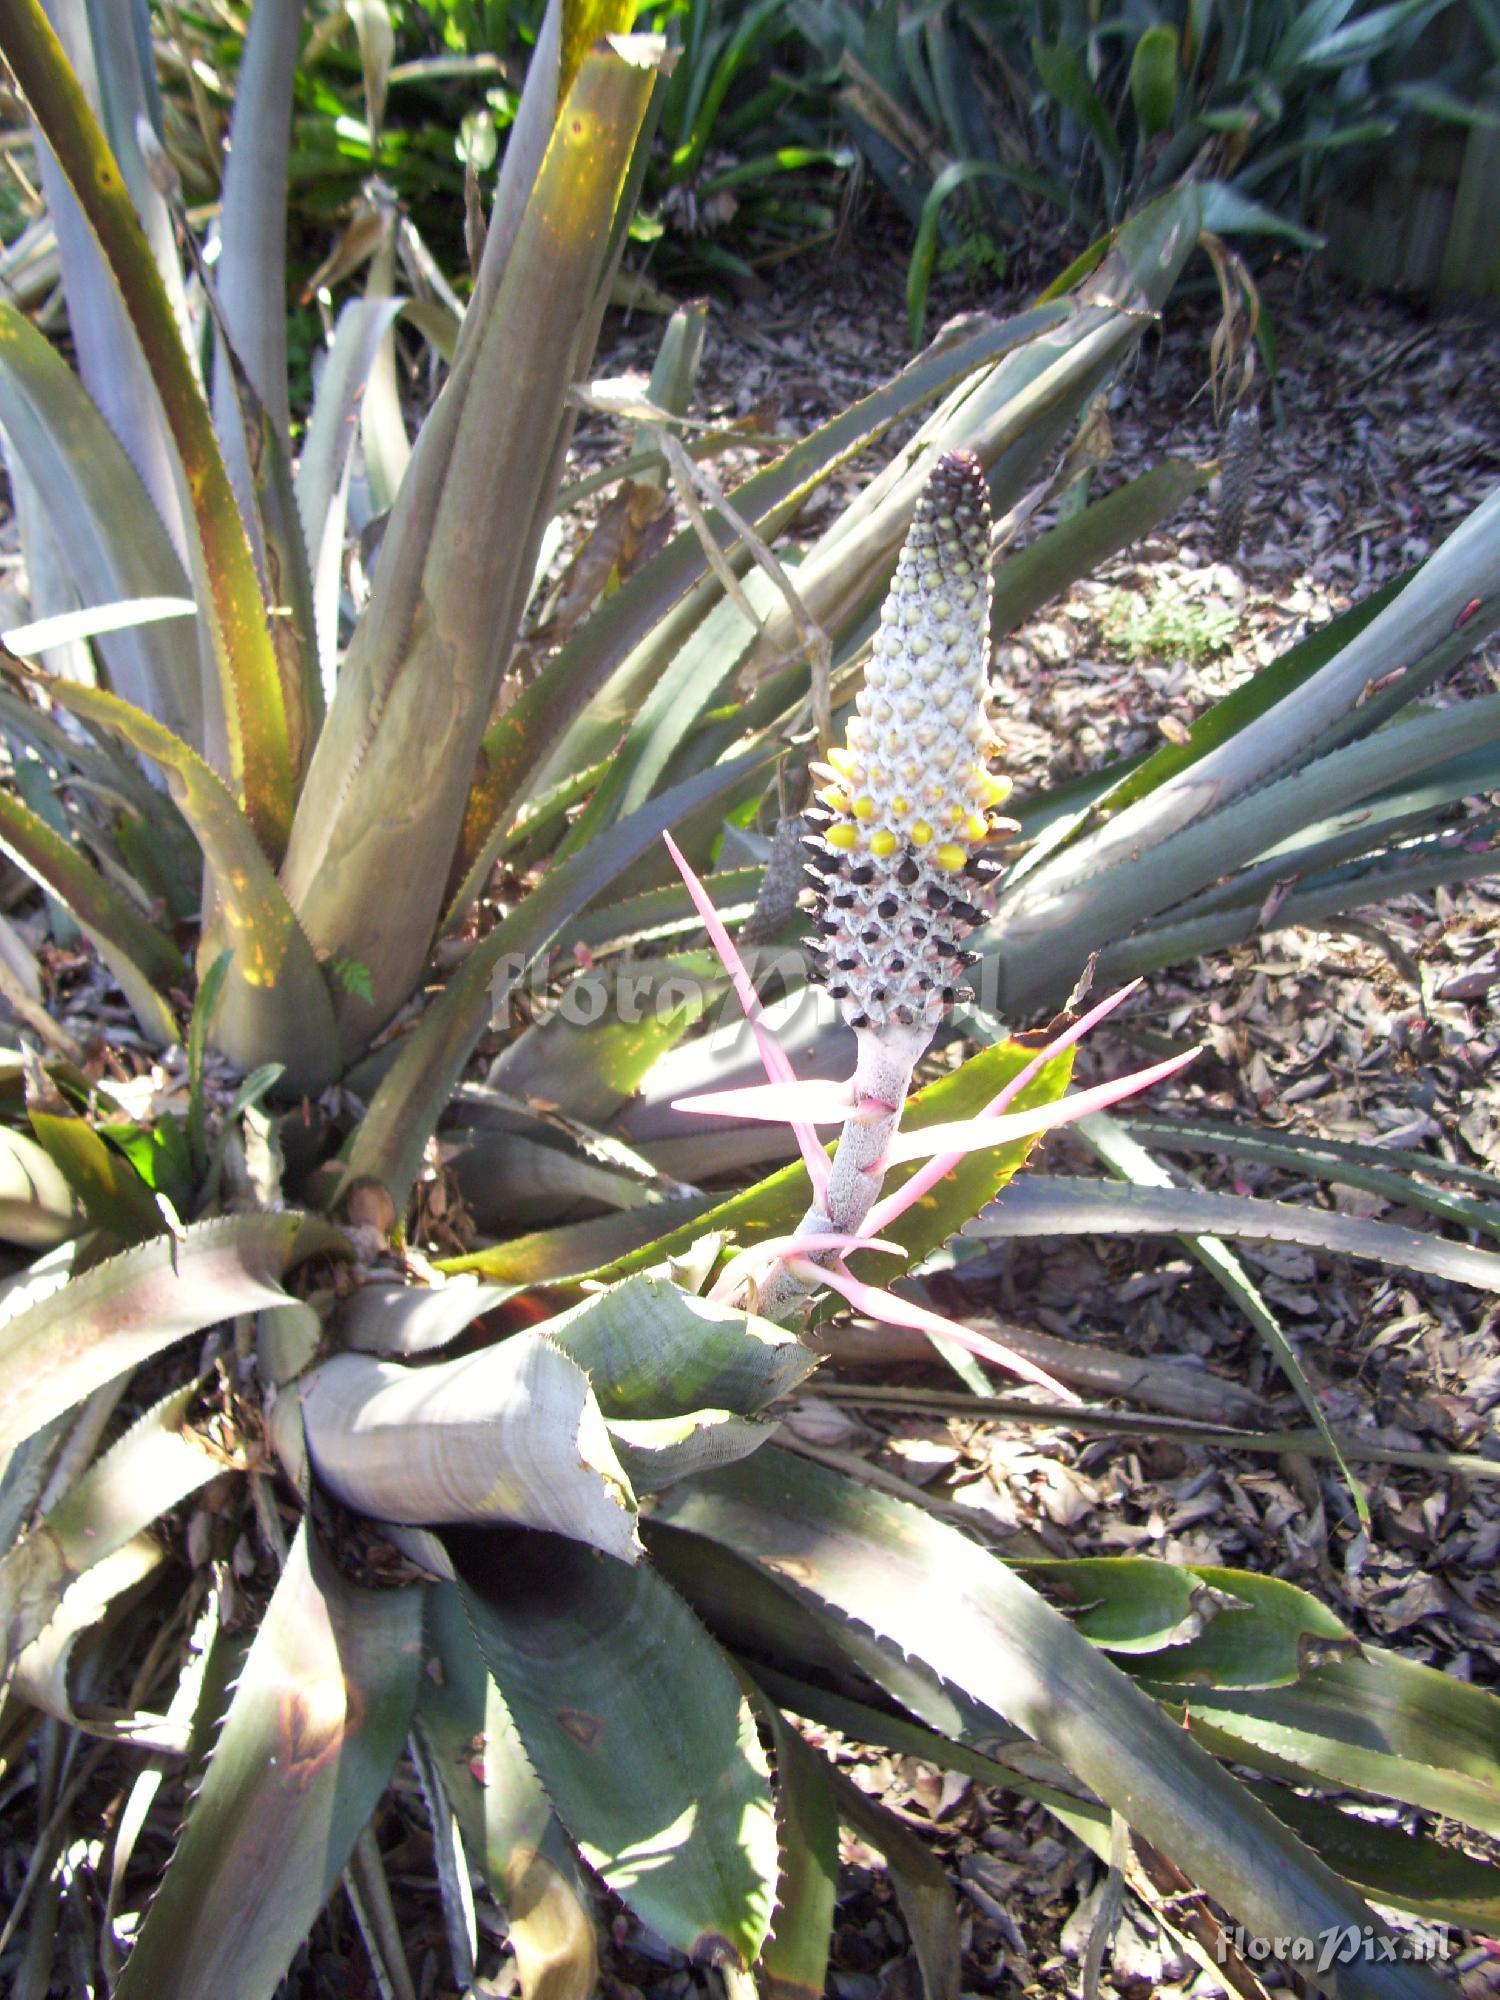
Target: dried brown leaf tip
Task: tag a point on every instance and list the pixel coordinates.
(908, 804)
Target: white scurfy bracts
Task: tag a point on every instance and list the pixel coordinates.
(907, 808)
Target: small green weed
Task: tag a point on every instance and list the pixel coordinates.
(1170, 626)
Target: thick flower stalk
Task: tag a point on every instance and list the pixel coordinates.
(907, 811)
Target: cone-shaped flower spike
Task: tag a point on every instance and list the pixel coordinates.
(909, 803)
(898, 846)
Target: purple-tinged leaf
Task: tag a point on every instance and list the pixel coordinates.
(57, 1351)
(315, 1727)
(633, 1721)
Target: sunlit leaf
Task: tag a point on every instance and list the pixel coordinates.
(315, 1727)
(637, 1729)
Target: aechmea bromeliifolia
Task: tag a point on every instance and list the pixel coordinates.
(899, 845)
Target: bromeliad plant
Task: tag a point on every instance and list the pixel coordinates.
(631, 1588)
(978, 119)
(637, 1585)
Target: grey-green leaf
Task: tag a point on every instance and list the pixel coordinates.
(638, 1730)
(317, 1722)
(64, 1346)
(651, 1349)
(925, 1589)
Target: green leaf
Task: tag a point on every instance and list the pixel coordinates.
(316, 1725)
(118, 1314)
(506, 1819)
(384, 800)
(658, 1451)
(794, 1959)
(112, 1193)
(249, 678)
(1271, 1635)
(1435, 100)
(389, 1144)
(159, 1153)
(635, 1725)
(116, 547)
(958, 174)
(1154, 79)
(1376, 1724)
(1412, 1872)
(591, 1068)
(1127, 1604)
(275, 1006)
(652, 1350)
(652, 613)
(157, 1463)
(1065, 78)
(322, 478)
(38, 1209)
(584, 23)
(573, 1248)
(1378, 1169)
(1130, 1162)
(1229, 213)
(142, 960)
(690, 682)
(926, 1591)
(1371, 34)
(26, 641)
(210, 987)
(1045, 1205)
(775, 1206)
(921, 1887)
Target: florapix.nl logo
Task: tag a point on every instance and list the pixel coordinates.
(1339, 1944)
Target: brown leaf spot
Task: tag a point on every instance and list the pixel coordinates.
(586, 1730)
(312, 1722)
(1315, 1650)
